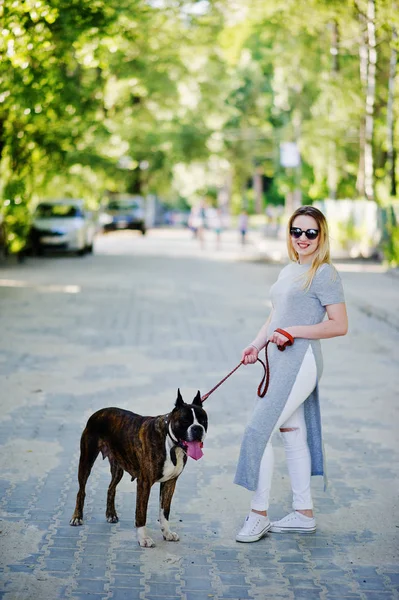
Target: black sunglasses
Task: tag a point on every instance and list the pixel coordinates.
(311, 234)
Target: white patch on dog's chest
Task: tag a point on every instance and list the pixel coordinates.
(170, 471)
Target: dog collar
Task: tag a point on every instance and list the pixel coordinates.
(176, 442)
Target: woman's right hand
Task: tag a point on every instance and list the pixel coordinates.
(249, 355)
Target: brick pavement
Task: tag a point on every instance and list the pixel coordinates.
(128, 331)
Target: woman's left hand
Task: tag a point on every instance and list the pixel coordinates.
(279, 338)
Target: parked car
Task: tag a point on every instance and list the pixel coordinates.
(62, 225)
(124, 212)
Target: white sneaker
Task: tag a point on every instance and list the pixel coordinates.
(254, 528)
(295, 522)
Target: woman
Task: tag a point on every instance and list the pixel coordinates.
(306, 290)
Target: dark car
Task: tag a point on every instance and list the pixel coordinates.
(124, 213)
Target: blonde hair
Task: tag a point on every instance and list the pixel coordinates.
(322, 254)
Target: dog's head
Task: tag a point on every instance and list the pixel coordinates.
(188, 424)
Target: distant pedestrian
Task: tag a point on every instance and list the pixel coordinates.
(217, 222)
(306, 290)
(193, 220)
(197, 222)
(202, 223)
(243, 226)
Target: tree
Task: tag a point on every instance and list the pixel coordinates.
(142, 95)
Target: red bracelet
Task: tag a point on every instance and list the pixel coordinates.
(290, 339)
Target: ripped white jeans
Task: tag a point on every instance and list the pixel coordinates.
(295, 443)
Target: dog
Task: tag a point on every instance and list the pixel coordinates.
(150, 449)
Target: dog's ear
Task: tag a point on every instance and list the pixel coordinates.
(179, 400)
(197, 400)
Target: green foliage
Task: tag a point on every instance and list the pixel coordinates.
(16, 215)
(348, 233)
(390, 242)
(145, 96)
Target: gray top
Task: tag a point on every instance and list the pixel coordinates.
(292, 305)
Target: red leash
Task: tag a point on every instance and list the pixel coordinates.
(266, 369)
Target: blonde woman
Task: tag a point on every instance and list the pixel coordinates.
(306, 291)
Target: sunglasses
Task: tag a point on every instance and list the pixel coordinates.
(311, 234)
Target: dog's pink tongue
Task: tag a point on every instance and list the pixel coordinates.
(194, 450)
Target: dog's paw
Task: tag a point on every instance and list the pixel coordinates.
(144, 539)
(146, 542)
(170, 536)
(75, 521)
(112, 518)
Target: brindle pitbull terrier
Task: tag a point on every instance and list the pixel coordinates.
(150, 449)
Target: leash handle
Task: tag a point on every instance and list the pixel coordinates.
(264, 384)
(290, 339)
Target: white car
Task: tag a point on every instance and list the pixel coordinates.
(62, 225)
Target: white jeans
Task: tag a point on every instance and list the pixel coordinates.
(295, 443)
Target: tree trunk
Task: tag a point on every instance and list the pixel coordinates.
(332, 174)
(258, 190)
(289, 203)
(225, 193)
(335, 48)
(390, 115)
(370, 102)
(363, 66)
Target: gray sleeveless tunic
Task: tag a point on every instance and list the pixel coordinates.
(292, 305)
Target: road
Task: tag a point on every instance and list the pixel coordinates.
(126, 327)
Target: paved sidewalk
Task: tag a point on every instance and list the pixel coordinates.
(127, 330)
